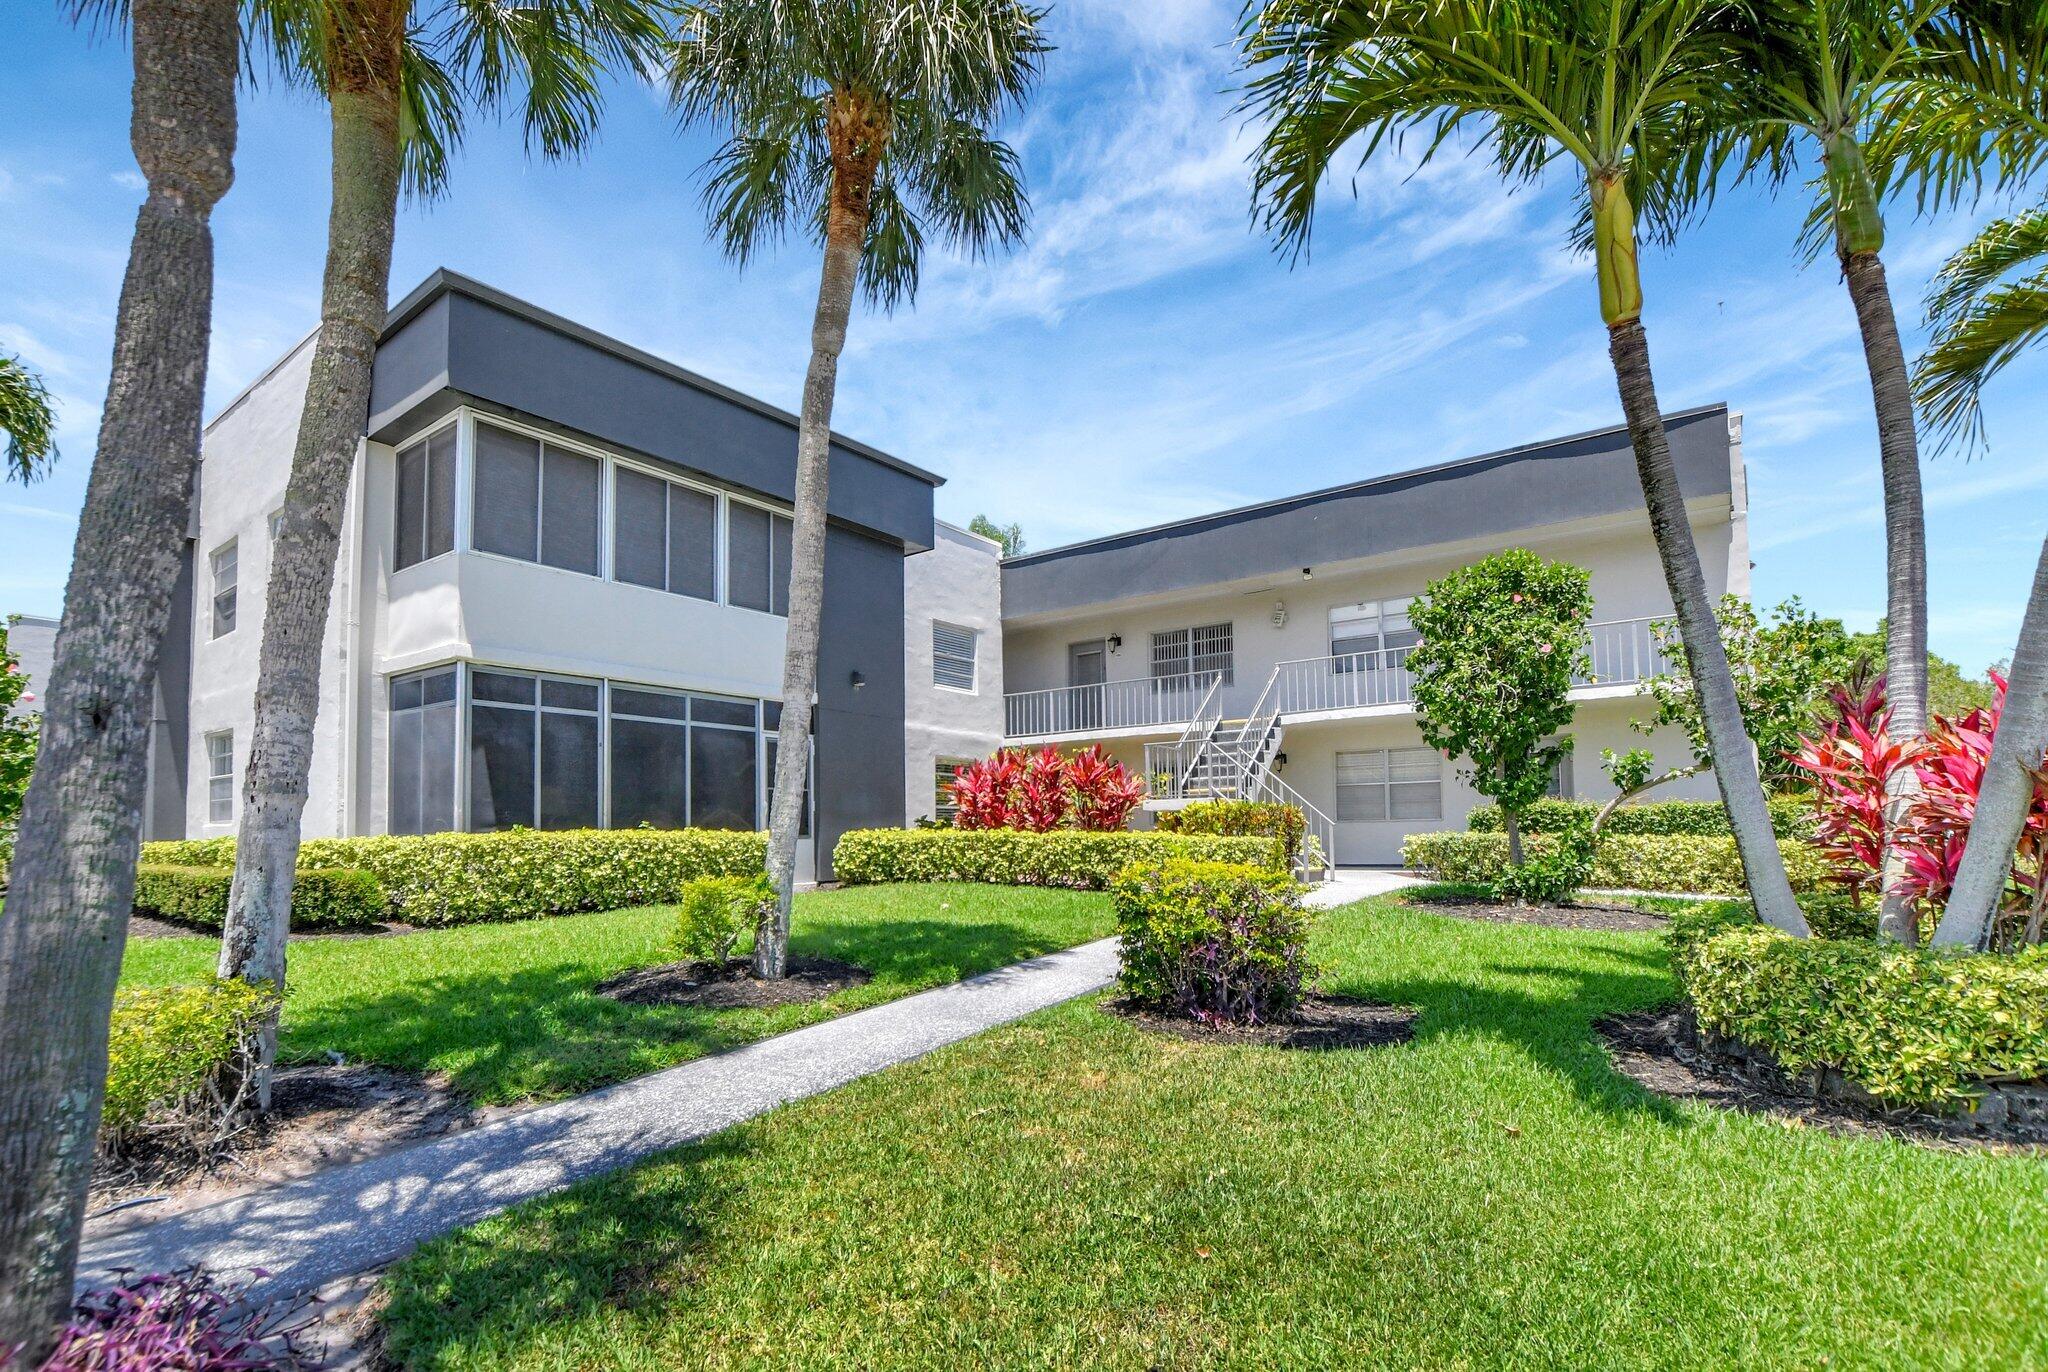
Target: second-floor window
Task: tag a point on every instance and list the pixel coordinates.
(1372, 634)
(536, 501)
(952, 656)
(225, 574)
(1204, 648)
(425, 525)
(757, 558)
(664, 534)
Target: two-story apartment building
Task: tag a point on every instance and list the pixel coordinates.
(562, 589)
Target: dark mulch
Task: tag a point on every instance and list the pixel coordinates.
(1321, 1022)
(1593, 916)
(1661, 1050)
(149, 926)
(321, 1115)
(732, 985)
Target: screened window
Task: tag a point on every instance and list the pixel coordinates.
(422, 781)
(535, 501)
(426, 500)
(757, 558)
(220, 777)
(664, 534)
(684, 760)
(1372, 634)
(225, 573)
(952, 656)
(1204, 648)
(533, 752)
(769, 751)
(1390, 784)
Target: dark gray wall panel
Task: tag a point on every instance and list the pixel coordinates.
(1576, 478)
(860, 732)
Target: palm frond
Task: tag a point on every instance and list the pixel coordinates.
(1988, 303)
(28, 419)
(1969, 112)
(1999, 249)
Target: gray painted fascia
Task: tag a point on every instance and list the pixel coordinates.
(1556, 481)
(453, 338)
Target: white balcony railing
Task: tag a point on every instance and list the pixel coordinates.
(1144, 703)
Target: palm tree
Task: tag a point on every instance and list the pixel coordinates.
(1989, 305)
(396, 83)
(866, 125)
(26, 419)
(1628, 90)
(73, 876)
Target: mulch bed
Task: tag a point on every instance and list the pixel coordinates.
(321, 1115)
(1661, 1050)
(149, 926)
(1321, 1022)
(1599, 917)
(732, 985)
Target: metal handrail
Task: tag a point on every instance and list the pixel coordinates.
(1139, 703)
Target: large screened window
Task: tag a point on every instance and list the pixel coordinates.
(664, 534)
(1390, 784)
(422, 778)
(681, 759)
(757, 558)
(426, 499)
(536, 501)
(1204, 648)
(533, 751)
(1372, 635)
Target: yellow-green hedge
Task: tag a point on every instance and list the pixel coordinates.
(474, 878)
(165, 1047)
(1639, 862)
(322, 897)
(1011, 857)
(1908, 1025)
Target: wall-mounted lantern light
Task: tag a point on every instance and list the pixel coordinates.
(1116, 641)
(858, 680)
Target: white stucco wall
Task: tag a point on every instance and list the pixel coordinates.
(958, 582)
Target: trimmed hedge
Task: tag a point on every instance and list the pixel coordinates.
(1240, 818)
(1012, 857)
(322, 897)
(1682, 863)
(1790, 818)
(523, 873)
(1908, 1025)
(166, 1049)
(1211, 940)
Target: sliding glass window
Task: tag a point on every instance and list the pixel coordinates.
(757, 558)
(534, 751)
(422, 780)
(664, 534)
(684, 760)
(536, 501)
(426, 499)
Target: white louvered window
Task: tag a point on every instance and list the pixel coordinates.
(1204, 648)
(1390, 784)
(952, 656)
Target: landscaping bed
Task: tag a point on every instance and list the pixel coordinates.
(1319, 1022)
(732, 985)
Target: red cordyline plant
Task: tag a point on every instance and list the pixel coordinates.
(1851, 764)
(1042, 790)
(183, 1320)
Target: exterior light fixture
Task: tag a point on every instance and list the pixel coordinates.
(1308, 574)
(1116, 641)
(858, 680)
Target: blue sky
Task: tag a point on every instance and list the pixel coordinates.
(1144, 356)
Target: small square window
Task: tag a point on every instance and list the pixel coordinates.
(223, 563)
(220, 777)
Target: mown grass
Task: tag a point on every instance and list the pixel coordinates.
(509, 1011)
(1071, 1191)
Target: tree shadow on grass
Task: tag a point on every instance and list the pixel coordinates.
(1547, 1010)
(923, 951)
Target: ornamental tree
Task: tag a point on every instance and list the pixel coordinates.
(1501, 641)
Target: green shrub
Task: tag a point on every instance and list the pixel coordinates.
(520, 874)
(1553, 874)
(715, 913)
(167, 1050)
(1791, 817)
(1911, 1026)
(1703, 866)
(322, 898)
(1832, 913)
(1211, 940)
(1240, 819)
(1012, 857)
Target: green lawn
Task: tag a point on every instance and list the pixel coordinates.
(508, 1010)
(1071, 1191)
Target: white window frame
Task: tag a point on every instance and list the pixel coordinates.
(1385, 782)
(718, 532)
(733, 498)
(973, 637)
(458, 540)
(232, 549)
(220, 779)
(1357, 610)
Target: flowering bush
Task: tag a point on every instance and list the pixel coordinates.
(1043, 790)
(184, 1320)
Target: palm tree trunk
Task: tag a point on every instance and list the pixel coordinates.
(1735, 771)
(361, 223)
(2007, 792)
(856, 136)
(66, 917)
(1905, 540)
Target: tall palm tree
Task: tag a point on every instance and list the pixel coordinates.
(864, 124)
(1989, 305)
(26, 419)
(397, 76)
(1625, 90)
(73, 876)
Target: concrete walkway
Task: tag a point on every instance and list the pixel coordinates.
(306, 1233)
(1347, 884)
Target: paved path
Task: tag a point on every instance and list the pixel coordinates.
(1356, 883)
(308, 1232)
